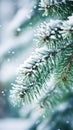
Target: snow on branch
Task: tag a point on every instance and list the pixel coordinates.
(55, 33)
(59, 8)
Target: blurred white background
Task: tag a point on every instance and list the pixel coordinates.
(16, 44)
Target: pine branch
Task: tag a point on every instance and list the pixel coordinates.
(61, 87)
(68, 68)
(34, 73)
(55, 34)
(29, 78)
(60, 9)
(47, 75)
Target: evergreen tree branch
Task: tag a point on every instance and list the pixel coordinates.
(29, 80)
(60, 9)
(68, 68)
(64, 88)
(55, 34)
(47, 75)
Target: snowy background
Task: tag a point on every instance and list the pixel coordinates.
(17, 24)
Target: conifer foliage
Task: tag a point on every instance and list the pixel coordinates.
(47, 75)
